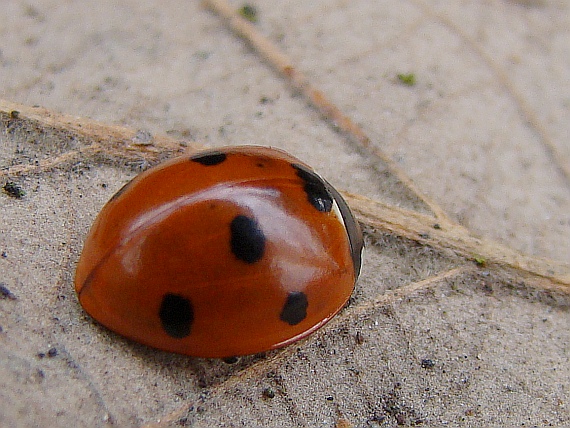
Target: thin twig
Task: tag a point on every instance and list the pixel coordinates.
(96, 138)
(548, 274)
(392, 296)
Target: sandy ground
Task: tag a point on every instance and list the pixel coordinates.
(430, 337)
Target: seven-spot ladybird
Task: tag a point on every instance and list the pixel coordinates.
(228, 252)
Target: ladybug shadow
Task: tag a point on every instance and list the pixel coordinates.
(203, 373)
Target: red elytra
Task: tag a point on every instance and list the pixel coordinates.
(227, 252)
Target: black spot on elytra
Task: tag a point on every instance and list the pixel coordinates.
(322, 196)
(247, 239)
(295, 308)
(209, 158)
(315, 187)
(177, 315)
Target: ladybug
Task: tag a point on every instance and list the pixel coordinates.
(227, 252)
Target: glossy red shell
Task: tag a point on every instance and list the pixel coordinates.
(228, 252)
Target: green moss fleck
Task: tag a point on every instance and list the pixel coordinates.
(14, 190)
(408, 79)
(480, 260)
(248, 12)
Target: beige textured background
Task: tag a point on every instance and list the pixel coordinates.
(484, 133)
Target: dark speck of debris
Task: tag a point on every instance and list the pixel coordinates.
(437, 226)
(268, 393)
(4, 255)
(428, 364)
(52, 352)
(14, 114)
(400, 419)
(330, 398)
(5, 293)
(14, 190)
(248, 12)
(378, 418)
(184, 422)
(72, 365)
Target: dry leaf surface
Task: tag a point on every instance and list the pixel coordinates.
(458, 175)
